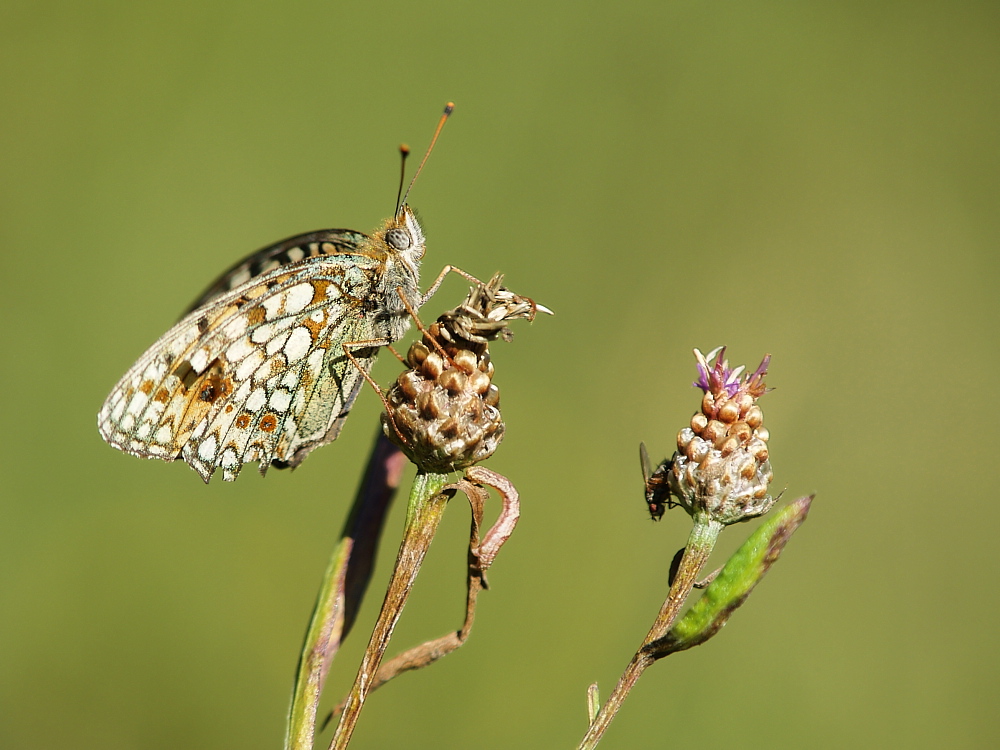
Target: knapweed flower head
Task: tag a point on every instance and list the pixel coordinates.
(721, 467)
(444, 411)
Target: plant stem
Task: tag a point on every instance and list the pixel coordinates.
(700, 544)
(344, 585)
(423, 514)
(699, 547)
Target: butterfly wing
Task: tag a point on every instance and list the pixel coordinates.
(256, 372)
(292, 250)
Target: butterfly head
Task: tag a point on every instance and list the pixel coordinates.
(403, 238)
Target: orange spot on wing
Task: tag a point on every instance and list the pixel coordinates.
(319, 290)
(313, 327)
(268, 423)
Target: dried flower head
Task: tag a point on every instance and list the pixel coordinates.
(444, 411)
(721, 467)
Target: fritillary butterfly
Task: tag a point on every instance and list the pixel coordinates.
(267, 363)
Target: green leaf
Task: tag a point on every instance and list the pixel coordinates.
(744, 570)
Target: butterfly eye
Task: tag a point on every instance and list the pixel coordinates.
(399, 239)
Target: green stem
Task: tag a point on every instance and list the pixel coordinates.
(344, 585)
(700, 544)
(423, 514)
(327, 618)
(699, 547)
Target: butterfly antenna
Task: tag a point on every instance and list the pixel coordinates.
(448, 109)
(404, 151)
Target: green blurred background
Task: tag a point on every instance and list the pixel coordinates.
(818, 181)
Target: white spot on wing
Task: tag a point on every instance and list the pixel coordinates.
(315, 362)
(137, 403)
(200, 360)
(298, 297)
(256, 400)
(262, 333)
(206, 451)
(298, 344)
(242, 392)
(156, 410)
(296, 254)
(276, 343)
(249, 365)
(236, 326)
(280, 400)
(238, 350)
(272, 305)
(229, 458)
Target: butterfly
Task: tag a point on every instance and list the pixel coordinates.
(267, 363)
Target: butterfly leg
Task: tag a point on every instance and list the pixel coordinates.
(366, 376)
(440, 278)
(396, 354)
(420, 325)
(367, 344)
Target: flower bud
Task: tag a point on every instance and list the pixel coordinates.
(444, 411)
(723, 468)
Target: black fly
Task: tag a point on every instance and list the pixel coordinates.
(656, 484)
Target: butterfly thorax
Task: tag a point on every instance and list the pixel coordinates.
(397, 247)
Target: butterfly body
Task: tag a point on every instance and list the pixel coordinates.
(258, 369)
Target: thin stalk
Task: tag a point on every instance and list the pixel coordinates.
(700, 544)
(699, 547)
(423, 514)
(327, 620)
(344, 585)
